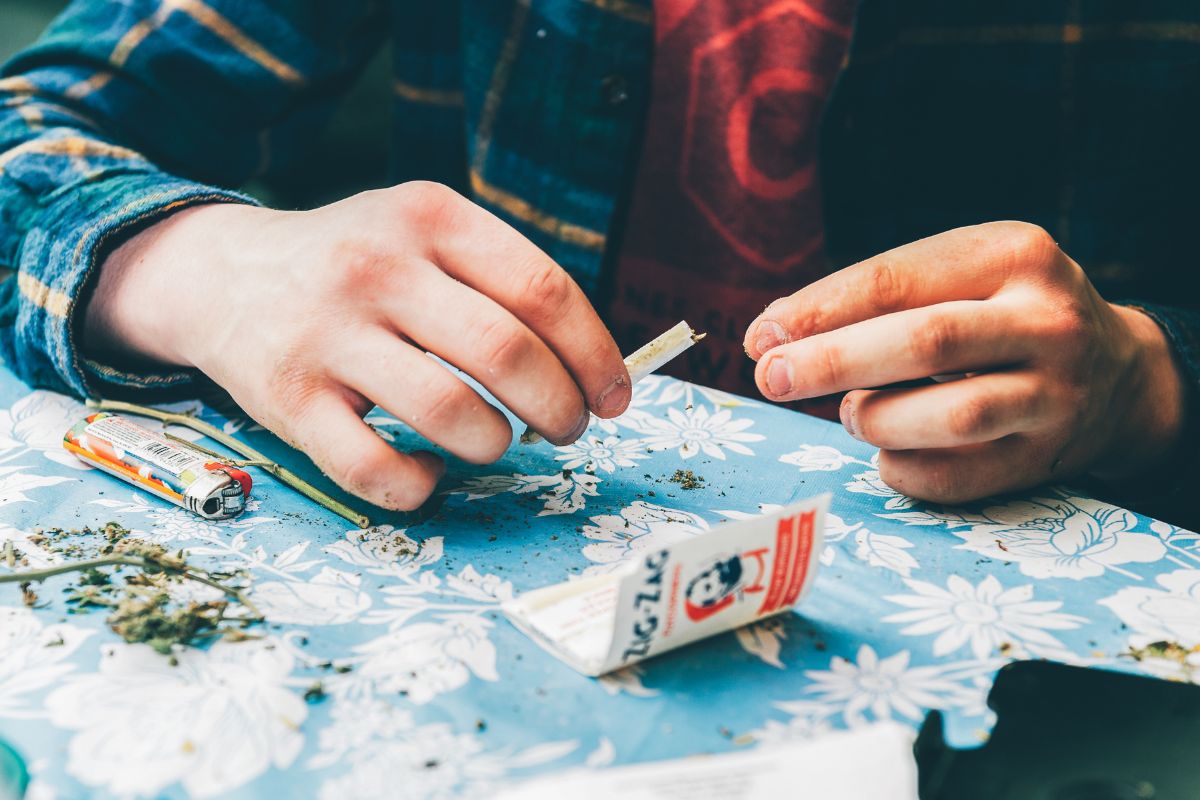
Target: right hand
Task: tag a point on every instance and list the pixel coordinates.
(309, 319)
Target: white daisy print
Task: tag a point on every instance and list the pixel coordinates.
(1059, 537)
(884, 687)
(1169, 612)
(593, 453)
(987, 617)
(640, 528)
(374, 742)
(695, 430)
(212, 720)
(33, 656)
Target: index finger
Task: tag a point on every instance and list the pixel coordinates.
(971, 263)
(480, 250)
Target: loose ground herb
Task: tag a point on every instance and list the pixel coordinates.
(1171, 651)
(687, 479)
(133, 578)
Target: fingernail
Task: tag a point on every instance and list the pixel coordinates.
(779, 376)
(767, 334)
(847, 419)
(581, 426)
(614, 398)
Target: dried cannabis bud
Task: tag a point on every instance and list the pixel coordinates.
(134, 577)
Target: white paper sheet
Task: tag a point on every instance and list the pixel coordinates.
(735, 574)
(870, 763)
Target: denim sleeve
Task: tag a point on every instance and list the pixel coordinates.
(122, 113)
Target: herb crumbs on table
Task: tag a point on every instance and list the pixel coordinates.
(1169, 651)
(142, 609)
(687, 479)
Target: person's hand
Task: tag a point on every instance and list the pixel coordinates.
(308, 319)
(1052, 380)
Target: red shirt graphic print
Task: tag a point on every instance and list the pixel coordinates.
(726, 208)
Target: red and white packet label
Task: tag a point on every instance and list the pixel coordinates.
(730, 576)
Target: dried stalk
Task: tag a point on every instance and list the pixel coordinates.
(213, 454)
(191, 573)
(252, 456)
(648, 358)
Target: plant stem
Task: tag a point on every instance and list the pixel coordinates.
(233, 462)
(191, 573)
(284, 474)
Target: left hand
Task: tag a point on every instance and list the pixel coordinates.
(1055, 381)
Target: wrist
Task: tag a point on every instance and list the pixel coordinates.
(154, 290)
(1150, 426)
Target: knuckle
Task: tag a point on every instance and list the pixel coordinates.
(500, 345)
(934, 343)
(1031, 245)
(1070, 326)
(969, 418)
(443, 400)
(357, 263)
(831, 366)
(425, 197)
(292, 386)
(432, 209)
(547, 290)
(885, 285)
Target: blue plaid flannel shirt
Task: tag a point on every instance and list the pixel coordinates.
(1078, 115)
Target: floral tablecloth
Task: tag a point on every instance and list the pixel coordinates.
(433, 694)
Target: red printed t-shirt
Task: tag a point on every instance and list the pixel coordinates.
(726, 208)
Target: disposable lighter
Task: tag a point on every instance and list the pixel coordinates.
(183, 475)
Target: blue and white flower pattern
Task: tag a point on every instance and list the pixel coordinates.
(986, 618)
(426, 691)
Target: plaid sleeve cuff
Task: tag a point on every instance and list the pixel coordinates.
(1168, 491)
(1182, 327)
(57, 262)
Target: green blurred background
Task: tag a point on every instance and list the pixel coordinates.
(349, 155)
